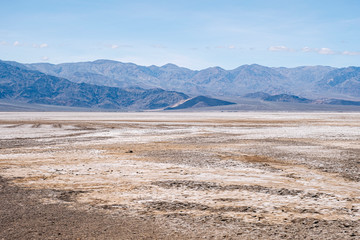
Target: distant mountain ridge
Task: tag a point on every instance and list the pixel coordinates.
(308, 81)
(264, 87)
(17, 83)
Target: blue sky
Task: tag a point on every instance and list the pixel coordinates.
(190, 33)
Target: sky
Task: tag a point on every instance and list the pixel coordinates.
(196, 34)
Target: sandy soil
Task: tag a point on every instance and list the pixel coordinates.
(180, 175)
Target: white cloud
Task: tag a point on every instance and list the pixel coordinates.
(45, 58)
(116, 46)
(307, 49)
(351, 53)
(226, 47)
(43, 45)
(280, 49)
(4, 43)
(322, 51)
(325, 51)
(16, 43)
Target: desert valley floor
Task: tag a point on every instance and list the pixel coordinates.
(155, 175)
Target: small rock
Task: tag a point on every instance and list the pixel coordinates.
(346, 225)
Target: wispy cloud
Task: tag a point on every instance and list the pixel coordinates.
(280, 49)
(227, 47)
(116, 46)
(42, 45)
(351, 53)
(307, 49)
(325, 51)
(322, 51)
(24, 44)
(45, 58)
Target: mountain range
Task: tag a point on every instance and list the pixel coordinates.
(28, 86)
(106, 84)
(309, 81)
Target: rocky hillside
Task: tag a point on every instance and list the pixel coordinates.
(28, 86)
(345, 81)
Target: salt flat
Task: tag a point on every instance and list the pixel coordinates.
(215, 174)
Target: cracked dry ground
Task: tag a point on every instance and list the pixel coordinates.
(179, 176)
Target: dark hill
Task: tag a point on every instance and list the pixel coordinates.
(278, 98)
(200, 101)
(287, 98)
